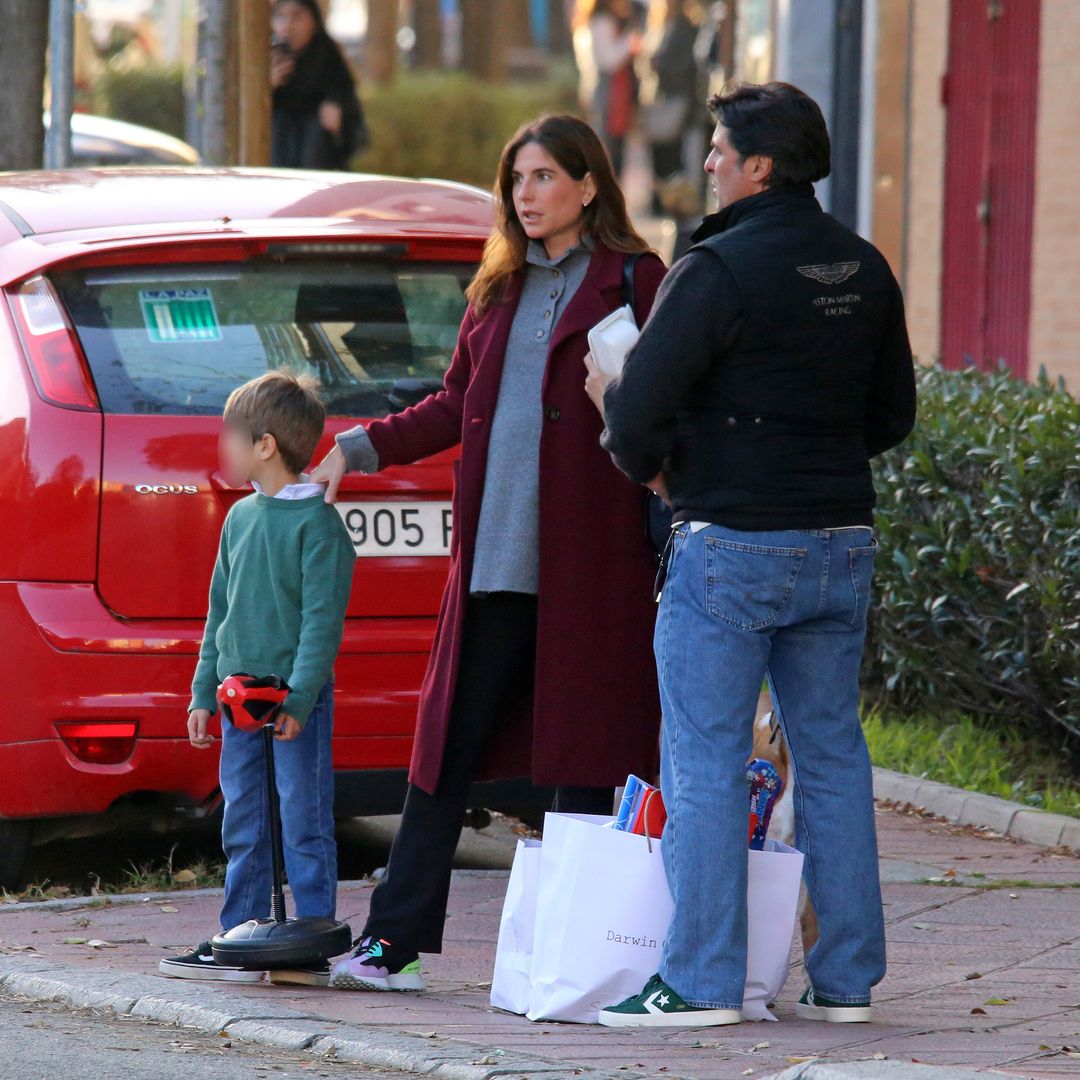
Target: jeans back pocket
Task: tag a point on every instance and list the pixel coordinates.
(749, 585)
(861, 564)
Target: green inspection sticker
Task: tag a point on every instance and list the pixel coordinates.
(179, 315)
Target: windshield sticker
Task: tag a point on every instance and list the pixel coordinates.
(179, 315)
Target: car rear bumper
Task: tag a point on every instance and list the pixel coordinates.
(44, 779)
(68, 658)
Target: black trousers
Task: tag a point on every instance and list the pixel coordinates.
(497, 669)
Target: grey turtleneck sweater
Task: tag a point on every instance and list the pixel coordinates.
(507, 542)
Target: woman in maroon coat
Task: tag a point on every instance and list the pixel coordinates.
(542, 663)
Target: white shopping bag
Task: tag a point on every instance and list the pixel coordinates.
(510, 984)
(603, 907)
(772, 899)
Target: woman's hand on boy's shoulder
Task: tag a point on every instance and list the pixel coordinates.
(330, 471)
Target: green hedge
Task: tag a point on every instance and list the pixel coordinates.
(451, 126)
(978, 579)
(150, 94)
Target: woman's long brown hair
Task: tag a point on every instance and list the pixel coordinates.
(578, 150)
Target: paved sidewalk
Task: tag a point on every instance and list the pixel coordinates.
(984, 972)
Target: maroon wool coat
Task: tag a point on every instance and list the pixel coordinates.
(595, 712)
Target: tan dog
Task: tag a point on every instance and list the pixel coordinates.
(769, 744)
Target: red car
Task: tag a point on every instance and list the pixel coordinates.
(135, 301)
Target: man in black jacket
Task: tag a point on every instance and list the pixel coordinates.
(775, 365)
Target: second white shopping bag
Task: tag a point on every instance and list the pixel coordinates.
(602, 909)
(511, 982)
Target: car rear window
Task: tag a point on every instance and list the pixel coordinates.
(177, 339)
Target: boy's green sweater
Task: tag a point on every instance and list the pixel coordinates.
(277, 599)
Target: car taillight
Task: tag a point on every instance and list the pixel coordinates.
(99, 742)
(52, 349)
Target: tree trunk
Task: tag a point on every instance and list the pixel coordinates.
(217, 142)
(473, 46)
(560, 40)
(427, 24)
(22, 60)
(380, 48)
(518, 23)
(254, 74)
(484, 38)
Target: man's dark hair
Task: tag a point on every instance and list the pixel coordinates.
(778, 121)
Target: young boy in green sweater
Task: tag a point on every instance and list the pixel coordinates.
(277, 607)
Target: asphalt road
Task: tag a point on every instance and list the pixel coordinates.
(45, 1042)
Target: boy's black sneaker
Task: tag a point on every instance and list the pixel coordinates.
(200, 964)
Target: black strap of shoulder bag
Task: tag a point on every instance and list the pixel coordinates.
(657, 512)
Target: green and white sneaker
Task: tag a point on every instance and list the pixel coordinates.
(659, 1006)
(813, 1006)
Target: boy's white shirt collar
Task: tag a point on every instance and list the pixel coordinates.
(305, 489)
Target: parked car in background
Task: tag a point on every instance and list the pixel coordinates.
(97, 140)
(134, 302)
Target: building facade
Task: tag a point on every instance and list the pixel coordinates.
(956, 130)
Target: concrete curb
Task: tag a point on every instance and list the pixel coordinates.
(881, 1070)
(984, 811)
(215, 1010)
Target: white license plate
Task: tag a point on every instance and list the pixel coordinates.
(381, 529)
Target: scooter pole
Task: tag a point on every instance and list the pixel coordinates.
(277, 851)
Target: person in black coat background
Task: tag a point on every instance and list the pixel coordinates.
(317, 122)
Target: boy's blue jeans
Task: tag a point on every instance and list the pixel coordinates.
(738, 607)
(305, 781)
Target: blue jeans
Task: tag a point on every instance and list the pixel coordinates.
(305, 782)
(738, 607)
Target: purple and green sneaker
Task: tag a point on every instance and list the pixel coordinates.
(374, 964)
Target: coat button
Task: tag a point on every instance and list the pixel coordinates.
(539, 335)
(731, 421)
(552, 413)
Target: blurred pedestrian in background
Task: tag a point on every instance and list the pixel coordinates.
(607, 40)
(674, 109)
(318, 122)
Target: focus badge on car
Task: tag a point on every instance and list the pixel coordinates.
(166, 489)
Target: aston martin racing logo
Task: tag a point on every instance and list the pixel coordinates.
(829, 274)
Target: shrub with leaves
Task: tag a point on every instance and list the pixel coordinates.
(451, 126)
(150, 94)
(978, 580)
